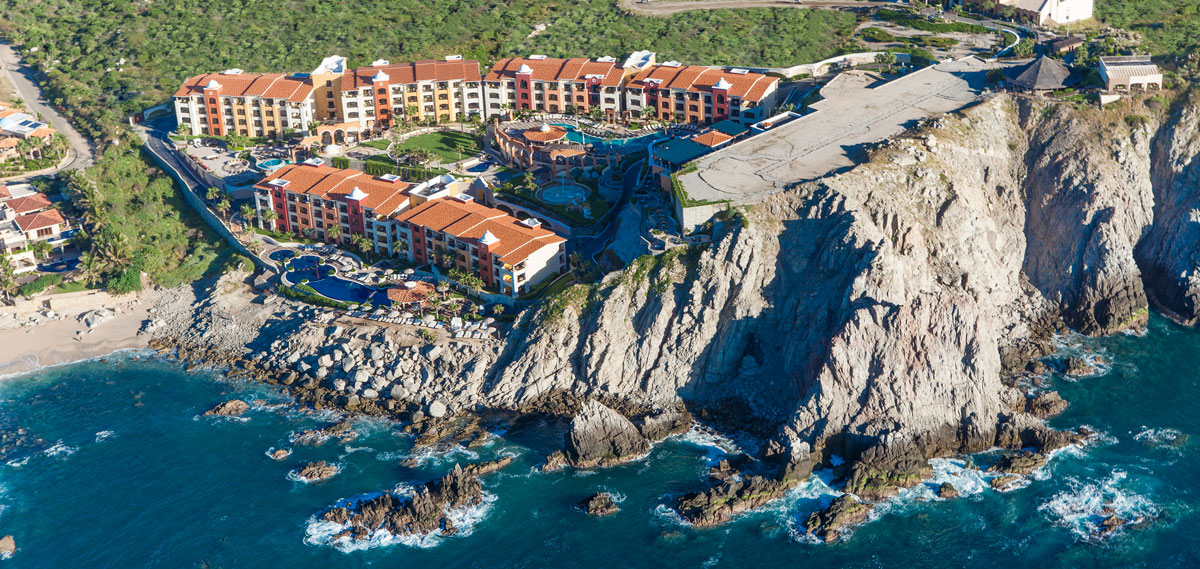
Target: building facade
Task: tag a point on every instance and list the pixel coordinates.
(1125, 73)
(699, 95)
(26, 217)
(383, 94)
(251, 104)
(551, 85)
(1040, 12)
(506, 253)
(311, 198)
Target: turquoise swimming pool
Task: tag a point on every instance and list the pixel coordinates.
(578, 137)
(271, 164)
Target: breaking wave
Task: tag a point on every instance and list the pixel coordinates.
(322, 533)
(1083, 507)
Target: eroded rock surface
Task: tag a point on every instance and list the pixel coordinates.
(599, 436)
(231, 408)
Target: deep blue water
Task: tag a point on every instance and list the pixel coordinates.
(578, 137)
(139, 479)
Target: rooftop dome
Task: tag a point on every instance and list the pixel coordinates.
(380, 77)
(525, 69)
(212, 84)
(488, 238)
(357, 194)
(723, 84)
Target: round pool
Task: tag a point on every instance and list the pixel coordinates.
(281, 255)
(271, 164)
(563, 194)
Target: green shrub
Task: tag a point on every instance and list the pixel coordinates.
(876, 35)
(340, 162)
(125, 281)
(41, 283)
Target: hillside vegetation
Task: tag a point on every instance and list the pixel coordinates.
(1171, 27)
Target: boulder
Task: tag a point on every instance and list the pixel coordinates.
(1046, 404)
(437, 409)
(1023, 463)
(231, 408)
(280, 453)
(324, 361)
(1003, 482)
(947, 491)
(398, 392)
(599, 436)
(8, 546)
(599, 504)
(370, 394)
(835, 521)
(316, 471)
(361, 376)
(658, 426)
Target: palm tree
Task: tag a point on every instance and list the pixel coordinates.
(269, 216)
(90, 268)
(223, 206)
(333, 232)
(8, 278)
(41, 249)
(248, 212)
(361, 243)
(213, 194)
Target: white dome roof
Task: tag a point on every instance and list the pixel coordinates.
(357, 194)
(380, 77)
(212, 84)
(723, 84)
(488, 238)
(525, 69)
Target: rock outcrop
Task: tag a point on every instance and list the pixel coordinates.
(341, 430)
(317, 471)
(423, 513)
(8, 546)
(834, 522)
(731, 497)
(599, 436)
(231, 408)
(599, 504)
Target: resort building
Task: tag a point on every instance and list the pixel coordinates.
(310, 198)
(1123, 73)
(251, 104)
(27, 217)
(1041, 12)
(506, 253)
(551, 85)
(327, 89)
(699, 95)
(383, 94)
(22, 135)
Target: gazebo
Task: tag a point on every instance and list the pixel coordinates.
(1040, 75)
(410, 295)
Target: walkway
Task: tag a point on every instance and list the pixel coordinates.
(24, 80)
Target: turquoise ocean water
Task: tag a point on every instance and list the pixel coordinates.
(130, 475)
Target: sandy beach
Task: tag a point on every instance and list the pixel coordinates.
(29, 340)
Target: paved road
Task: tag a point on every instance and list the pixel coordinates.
(24, 80)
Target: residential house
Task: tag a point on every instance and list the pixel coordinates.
(700, 95)
(551, 85)
(251, 104)
(18, 125)
(27, 217)
(507, 253)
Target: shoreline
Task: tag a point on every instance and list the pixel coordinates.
(33, 345)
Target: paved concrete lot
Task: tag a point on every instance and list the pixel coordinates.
(857, 109)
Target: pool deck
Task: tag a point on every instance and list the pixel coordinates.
(857, 110)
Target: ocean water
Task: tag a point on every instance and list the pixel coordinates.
(128, 474)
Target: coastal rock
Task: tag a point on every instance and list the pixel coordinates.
(317, 471)
(599, 436)
(835, 521)
(1046, 404)
(342, 430)
(8, 546)
(1079, 367)
(721, 503)
(424, 512)
(1023, 463)
(280, 453)
(1004, 482)
(437, 409)
(600, 504)
(947, 491)
(658, 426)
(231, 408)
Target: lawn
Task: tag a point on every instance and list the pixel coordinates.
(444, 144)
(69, 286)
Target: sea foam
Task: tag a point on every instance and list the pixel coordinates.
(1084, 505)
(321, 533)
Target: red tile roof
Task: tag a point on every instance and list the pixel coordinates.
(406, 73)
(404, 295)
(266, 85)
(28, 204)
(545, 133)
(749, 86)
(40, 220)
(469, 220)
(4, 193)
(552, 69)
(712, 138)
(383, 197)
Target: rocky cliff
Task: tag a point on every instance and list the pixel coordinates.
(874, 314)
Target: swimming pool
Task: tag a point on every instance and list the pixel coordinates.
(578, 137)
(271, 164)
(322, 279)
(282, 255)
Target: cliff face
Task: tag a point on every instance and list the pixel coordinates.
(874, 312)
